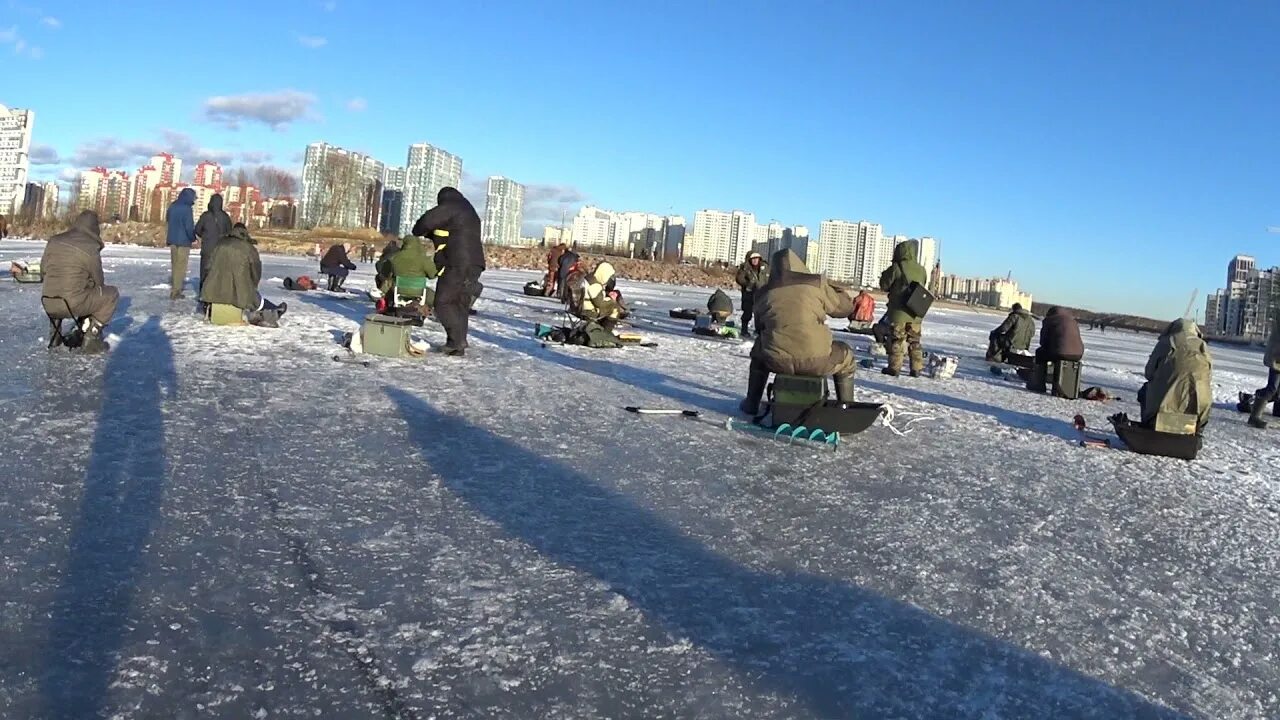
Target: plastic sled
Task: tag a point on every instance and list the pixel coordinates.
(1146, 441)
(685, 313)
(534, 288)
(832, 416)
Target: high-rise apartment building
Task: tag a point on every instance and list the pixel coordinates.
(341, 188)
(993, 292)
(720, 236)
(673, 230)
(795, 238)
(854, 252)
(90, 184)
(169, 166)
(33, 201)
(15, 157)
(554, 235)
(208, 174)
(593, 228)
(52, 202)
(1247, 306)
(503, 212)
(395, 179)
(428, 169)
(392, 210)
(145, 181)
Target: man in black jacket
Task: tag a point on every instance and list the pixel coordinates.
(336, 263)
(454, 227)
(212, 225)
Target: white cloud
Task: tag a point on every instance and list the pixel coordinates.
(312, 41)
(10, 36)
(357, 104)
(275, 109)
(43, 155)
(51, 22)
(68, 174)
(115, 153)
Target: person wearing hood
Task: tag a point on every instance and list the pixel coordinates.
(1178, 393)
(1059, 340)
(752, 276)
(74, 287)
(1013, 337)
(411, 262)
(454, 227)
(595, 296)
(906, 328)
(1270, 393)
(793, 336)
(567, 264)
(336, 263)
(720, 305)
(212, 225)
(180, 235)
(234, 276)
(864, 311)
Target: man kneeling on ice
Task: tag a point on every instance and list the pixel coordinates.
(720, 306)
(1013, 337)
(74, 288)
(233, 279)
(1178, 393)
(596, 297)
(793, 337)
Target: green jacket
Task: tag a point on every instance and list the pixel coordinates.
(1020, 328)
(791, 316)
(234, 273)
(1179, 381)
(898, 278)
(1272, 358)
(720, 303)
(412, 260)
(752, 279)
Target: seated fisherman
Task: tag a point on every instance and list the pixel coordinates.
(405, 273)
(864, 311)
(793, 338)
(1013, 336)
(595, 296)
(336, 264)
(74, 287)
(1059, 340)
(1270, 393)
(720, 306)
(1178, 391)
(233, 279)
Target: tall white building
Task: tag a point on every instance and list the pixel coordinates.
(169, 166)
(927, 255)
(720, 236)
(51, 201)
(854, 252)
(627, 223)
(503, 212)
(15, 157)
(396, 178)
(341, 188)
(427, 171)
(144, 181)
(593, 227)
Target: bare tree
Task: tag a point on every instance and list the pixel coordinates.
(340, 191)
(275, 182)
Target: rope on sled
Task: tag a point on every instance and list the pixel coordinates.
(888, 414)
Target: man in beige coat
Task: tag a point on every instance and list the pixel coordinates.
(74, 288)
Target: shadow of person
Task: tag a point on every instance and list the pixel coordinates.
(123, 486)
(1013, 418)
(839, 650)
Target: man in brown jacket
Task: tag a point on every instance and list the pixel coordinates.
(791, 318)
(553, 269)
(73, 281)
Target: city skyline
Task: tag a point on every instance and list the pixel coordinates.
(1071, 164)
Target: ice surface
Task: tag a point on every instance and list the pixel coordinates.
(224, 522)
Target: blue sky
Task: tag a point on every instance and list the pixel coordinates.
(1112, 155)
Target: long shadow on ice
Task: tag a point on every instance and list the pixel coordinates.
(1013, 418)
(838, 649)
(681, 391)
(122, 490)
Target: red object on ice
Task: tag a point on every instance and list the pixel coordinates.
(382, 304)
(1079, 423)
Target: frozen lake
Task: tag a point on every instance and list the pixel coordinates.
(224, 522)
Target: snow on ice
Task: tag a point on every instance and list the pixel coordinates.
(224, 522)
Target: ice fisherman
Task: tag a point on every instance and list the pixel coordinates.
(337, 264)
(720, 305)
(180, 235)
(405, 273)
(1059, 340)
(568, 263)
(1270, 393)
(234, 276)
(752, 276)
(74, 287)
(1013, 337)
(4, 227)
(454, 227)
(793, 335)
(1178, 393)
(864, 311)
(596, 296)
(906, 328)
(214, 222)
(549, 283)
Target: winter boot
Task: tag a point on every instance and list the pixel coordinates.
(333, 283)
(1255, 416)
(844, 387)
(756, 383)
(93, 342)
(890, 372)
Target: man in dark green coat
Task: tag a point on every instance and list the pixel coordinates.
(410, 269)
(1014, 335)
(753, 275)
(896, 281)
(234, 273)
